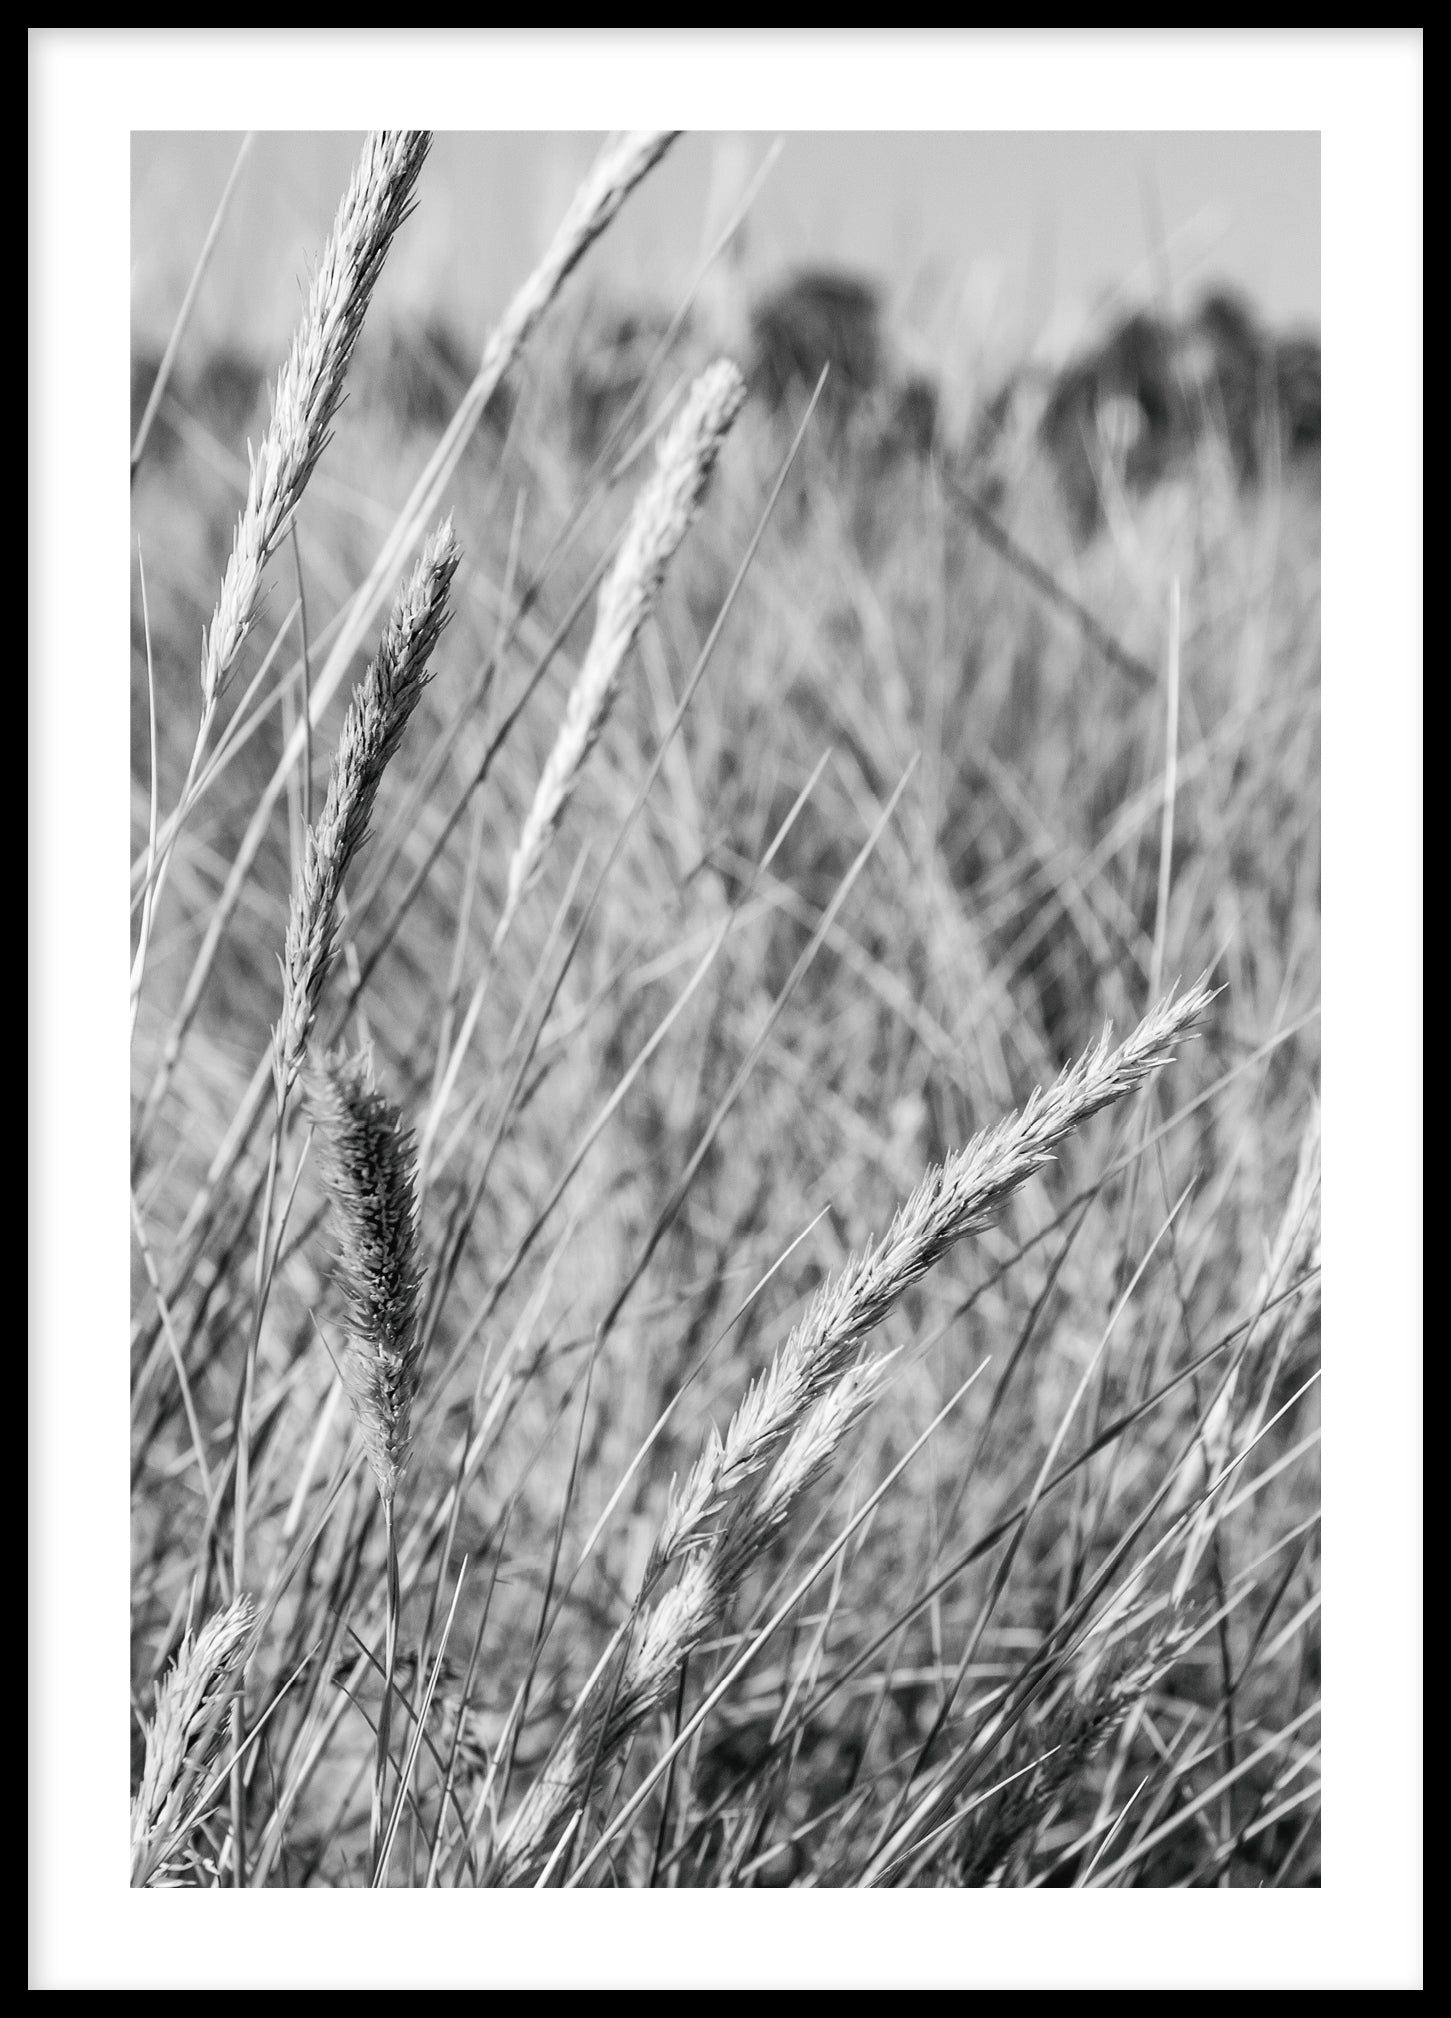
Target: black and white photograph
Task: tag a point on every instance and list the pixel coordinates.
(721, 1114)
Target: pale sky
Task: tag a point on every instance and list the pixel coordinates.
(984, 243)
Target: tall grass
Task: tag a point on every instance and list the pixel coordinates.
(815, 1408)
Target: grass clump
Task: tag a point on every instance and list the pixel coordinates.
(811, 1409)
